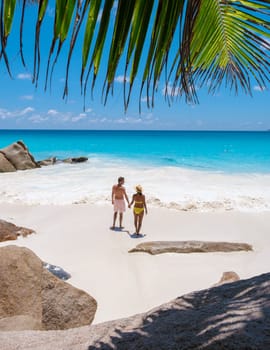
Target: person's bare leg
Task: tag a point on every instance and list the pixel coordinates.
(114, 219)
(140, 218)
(135, 222)
(120, 219)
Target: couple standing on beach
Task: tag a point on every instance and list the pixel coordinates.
(119, 196)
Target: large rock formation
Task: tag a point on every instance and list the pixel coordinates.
(16, 156)
(5, 165)
(9, 231)
(159, 247)
(27, 290)
(19, 323)
(234, 316)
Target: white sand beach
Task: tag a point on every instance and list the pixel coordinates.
(78, 238)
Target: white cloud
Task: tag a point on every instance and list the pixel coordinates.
(52, 112)
(38, 119)
(259, 88)
(149, 116)
(79, 117)
(27, 97)
(65, 117)
(169, 90)
(89, 110)
(24, 76)
(93, 120)
(129, 120)
(26, 111)
(6, 114)
(121, 79)
(144, 99)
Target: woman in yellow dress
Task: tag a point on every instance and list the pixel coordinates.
(139, 208)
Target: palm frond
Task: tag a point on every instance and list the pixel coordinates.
(41, 13)
(186, 42)
(229, 45)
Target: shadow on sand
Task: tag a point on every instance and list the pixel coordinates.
(119, 229)
(131, 235)
(233, 316)
(134, 235)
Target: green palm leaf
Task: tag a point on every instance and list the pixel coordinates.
(99, 44)
(41, 12)
(63, 14)
(227, 44)
(188, 43)
(7, 15)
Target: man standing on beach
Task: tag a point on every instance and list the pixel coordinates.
(118, 200)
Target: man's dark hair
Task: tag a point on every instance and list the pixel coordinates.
(120, 179)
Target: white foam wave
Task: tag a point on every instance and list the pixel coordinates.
(170, 187)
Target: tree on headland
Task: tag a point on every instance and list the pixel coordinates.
(189, 43)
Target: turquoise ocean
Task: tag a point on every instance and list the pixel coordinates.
(184, 170)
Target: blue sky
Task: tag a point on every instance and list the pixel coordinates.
(23, 106)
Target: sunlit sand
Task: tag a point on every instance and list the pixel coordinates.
(78, 239)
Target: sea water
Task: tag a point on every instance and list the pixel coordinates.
(184, 170)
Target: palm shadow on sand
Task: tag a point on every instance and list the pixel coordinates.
(233, 316)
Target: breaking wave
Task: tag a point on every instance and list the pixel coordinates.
(169, 187)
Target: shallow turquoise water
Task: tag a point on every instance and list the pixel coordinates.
(223, 151)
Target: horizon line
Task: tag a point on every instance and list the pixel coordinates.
(142, 130)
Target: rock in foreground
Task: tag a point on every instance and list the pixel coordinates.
(160, 247)
(227, 277)
(10, 232)
(234, 316)
(28, 291)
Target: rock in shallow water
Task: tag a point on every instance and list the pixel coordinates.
(76, 160)
(46, 162)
